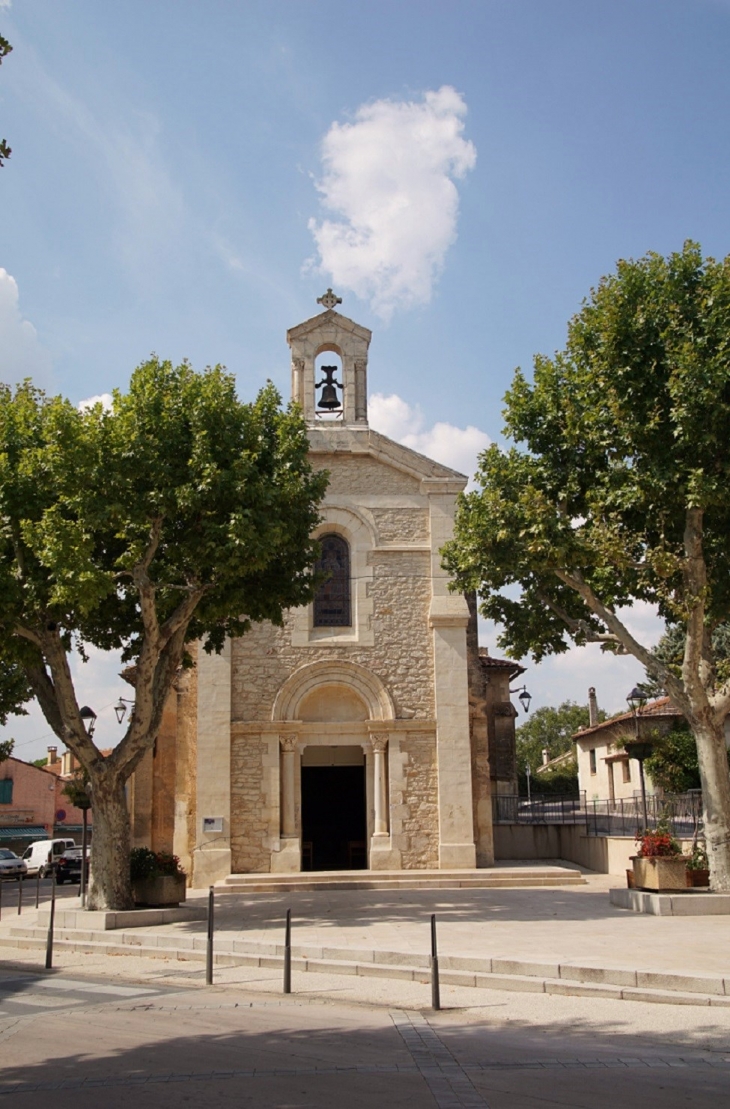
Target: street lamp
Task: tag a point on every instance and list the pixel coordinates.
(89, 718)
(528, 773)
(120, 708)
(636, 748)
(524, 697)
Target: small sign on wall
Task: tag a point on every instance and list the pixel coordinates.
(212, 823)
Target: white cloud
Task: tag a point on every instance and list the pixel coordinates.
(105, 399)
(21, 352)
(456, 447)
(389, 181)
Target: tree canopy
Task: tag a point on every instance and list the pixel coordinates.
(616, 491)
(551, 728)
(179, 514)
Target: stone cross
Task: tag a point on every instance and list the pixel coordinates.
(329, 300)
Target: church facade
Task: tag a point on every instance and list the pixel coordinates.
(358, 734)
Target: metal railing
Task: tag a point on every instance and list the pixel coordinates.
(683, 813)
(545, 808)
(603, 818)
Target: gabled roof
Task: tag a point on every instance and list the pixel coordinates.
(314, 323)
(333, 439)
(661, 707)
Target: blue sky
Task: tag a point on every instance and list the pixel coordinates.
(188, 177)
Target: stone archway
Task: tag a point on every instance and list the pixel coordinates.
(334, 716)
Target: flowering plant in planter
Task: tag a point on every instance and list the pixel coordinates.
(144, 863)
(659, 843)
(698, 859)
(157, 878)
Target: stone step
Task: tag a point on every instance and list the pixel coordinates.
(493, 974)
(496, 878)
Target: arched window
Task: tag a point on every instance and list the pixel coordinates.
(332, 602)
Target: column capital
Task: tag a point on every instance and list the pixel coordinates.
(379, 741)
(288, 742)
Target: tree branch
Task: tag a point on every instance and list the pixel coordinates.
(696, 673)
(580, 627)
(655, 666)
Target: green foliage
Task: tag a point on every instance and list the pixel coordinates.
(5, 49)
(6, 749)
(619, 435)
(144, 863)
(552, 728)
(77, 789)
(42, 762)
(698, 859)
(563, 780)
(673, 764)
(670, 649)
(228, 484)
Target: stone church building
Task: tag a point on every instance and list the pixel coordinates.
(370, 731)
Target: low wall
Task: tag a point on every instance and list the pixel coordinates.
(605, 854)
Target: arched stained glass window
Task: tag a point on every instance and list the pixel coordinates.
(332, 602)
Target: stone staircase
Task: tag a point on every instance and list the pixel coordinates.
(500, 877)
(456, 970)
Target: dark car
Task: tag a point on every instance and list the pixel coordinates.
(68, 866)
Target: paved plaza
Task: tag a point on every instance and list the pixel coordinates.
(99, 1024)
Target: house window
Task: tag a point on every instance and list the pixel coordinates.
(592, 757)
(6, 791)
(626, 767)
(332, 602)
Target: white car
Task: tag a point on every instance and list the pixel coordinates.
(10, 865)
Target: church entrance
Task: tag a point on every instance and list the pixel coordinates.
(334, 822)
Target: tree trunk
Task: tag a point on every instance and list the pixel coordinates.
(712, 758)
(110, 883)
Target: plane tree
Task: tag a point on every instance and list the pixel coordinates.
(614, 491)
(180, 514)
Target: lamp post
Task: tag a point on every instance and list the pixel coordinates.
(89, 718)
(528, 773)
(638, 749)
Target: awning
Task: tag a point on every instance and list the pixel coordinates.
(23, 831)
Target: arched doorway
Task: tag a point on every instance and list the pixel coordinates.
(334, 735)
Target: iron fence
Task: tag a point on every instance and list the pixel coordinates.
(603, 818)
(546, 808)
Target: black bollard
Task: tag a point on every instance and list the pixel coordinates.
(209, 949)
(287, 953)
(49, 941)
(37, 888)
(20, 894)
(1, 898)
(435, 985)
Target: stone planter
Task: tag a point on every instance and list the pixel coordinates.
(163, 891)
(698, 877)
(660, 873)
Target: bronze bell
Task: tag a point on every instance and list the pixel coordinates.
(329, 399)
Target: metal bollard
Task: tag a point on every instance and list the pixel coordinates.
(20, 894)
(49, 941)
(287, 953)
(435, 985)
(1, 898)
(37, 888)
(209, 949)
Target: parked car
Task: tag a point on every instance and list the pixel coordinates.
(42, 856)
(68, 867)
(11, 865)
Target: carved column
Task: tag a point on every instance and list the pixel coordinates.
(379, 744)
(288, 806)
(361, 400)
